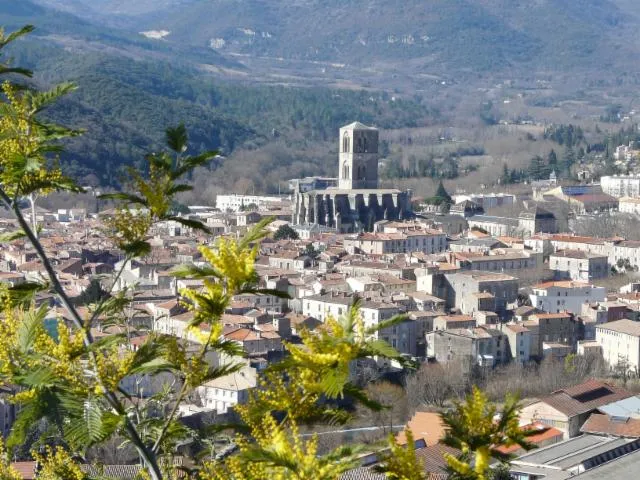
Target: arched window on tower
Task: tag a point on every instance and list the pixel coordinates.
(345, 171)
(364, 144)
(345, 143)
(361, 172)
(360, 149)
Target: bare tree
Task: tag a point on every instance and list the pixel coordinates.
(394, 398)
(436, 384)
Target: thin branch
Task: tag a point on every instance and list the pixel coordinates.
(147, 455)
(181, 395)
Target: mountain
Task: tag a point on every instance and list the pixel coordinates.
(442, 37)
(132, 88)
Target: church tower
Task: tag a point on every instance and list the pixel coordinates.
(358, 159)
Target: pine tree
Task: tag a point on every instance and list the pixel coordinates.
(441, 192)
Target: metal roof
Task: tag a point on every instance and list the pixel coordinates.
(628, 407)
(560, 450)
(623, 467)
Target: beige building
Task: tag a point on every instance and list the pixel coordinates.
(425, 241)
(629, 205)
(569, 408)
(550, 328)
(620, 342)
(447, 322)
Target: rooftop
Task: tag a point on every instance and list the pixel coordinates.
(601, 424)
(628, 327)
(577, 254)
(585, 397)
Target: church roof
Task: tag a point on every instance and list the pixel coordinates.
(358, 126)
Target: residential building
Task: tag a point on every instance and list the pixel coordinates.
(551, 328)
(578, 265)
(511, 261)
(236, 203)
(425, 241)
(487, 200)
(225, 392)
(567, 409)
(629, 205)
(565, 296)
(462, 287)
(621, 185)
(620, 342)
(518, 342)
(484, 346)
(402, 336)
(448, 322)
(427, 426)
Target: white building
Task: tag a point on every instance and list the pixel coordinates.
(555, 297)
(620, 342)
(402, 336)
(629, 205)
(235, 203)
(578, 265)
(621, 185)
(225, 392)
(487, 200)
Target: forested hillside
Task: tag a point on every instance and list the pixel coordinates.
(125, 104)
(439, 35)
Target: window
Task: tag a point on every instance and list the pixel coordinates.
(346, 144)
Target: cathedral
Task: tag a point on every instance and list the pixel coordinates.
(357, 202)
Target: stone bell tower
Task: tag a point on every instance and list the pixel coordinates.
(358, 158)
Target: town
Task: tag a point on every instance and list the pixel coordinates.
(476, 291)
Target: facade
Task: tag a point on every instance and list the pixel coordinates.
(487, 200)
(551, 328)
(312, 183)
(620, 343)
(225, 392)
(629, 205)
(462, 287)
(519, 342)
(449, 322)
(425, 241)
(565, 296)
(529, 222)
(517, 262)
(357, 203)
(484, 346)
(621, 185)
(569, 408)
(578, 265)
(235, 203)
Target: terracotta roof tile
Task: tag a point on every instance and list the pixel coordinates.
(585, 397)
(600, 424)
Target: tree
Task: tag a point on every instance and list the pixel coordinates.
(72, 382)
(285, 232)
(441, 192)
(472, 428)
(394, 398)
(436, 384)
